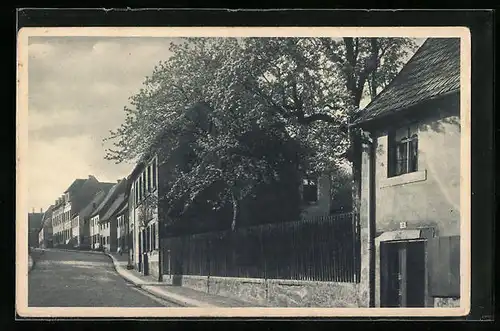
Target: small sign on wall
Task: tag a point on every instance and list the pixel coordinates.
(402, 225)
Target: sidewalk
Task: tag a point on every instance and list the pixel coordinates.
(180, 295)
(30, 262)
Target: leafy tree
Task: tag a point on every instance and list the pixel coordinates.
(306, 89)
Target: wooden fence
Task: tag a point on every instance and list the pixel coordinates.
(320, 249)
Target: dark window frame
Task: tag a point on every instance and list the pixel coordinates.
(310, 188)
(149, 184)
(154, 172)
(402, 154)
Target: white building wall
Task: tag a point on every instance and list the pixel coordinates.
(94, 230)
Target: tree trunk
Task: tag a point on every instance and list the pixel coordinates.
(235, 211)
(375, 59)
(373, 84)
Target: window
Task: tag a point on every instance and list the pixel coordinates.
(143, 184)
(403, 151)
(139, 193)
(310, 190)
(154, 173)
(136, 201)
(153, 236)
(149, 179)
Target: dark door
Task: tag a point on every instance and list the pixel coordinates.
(402, 274)
(140, 253)
(145, 262)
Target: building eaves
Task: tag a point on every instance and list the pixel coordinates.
(433, 71)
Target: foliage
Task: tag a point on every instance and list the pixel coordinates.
(214, 97)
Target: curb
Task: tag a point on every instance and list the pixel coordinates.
(151, 288)
(74, 250)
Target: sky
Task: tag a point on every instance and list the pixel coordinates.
(78, 87)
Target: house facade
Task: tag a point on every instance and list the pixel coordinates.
(315, 195)
(95, 236)
(108, 223)
(143, 217)
(123, 235)
(408, 183)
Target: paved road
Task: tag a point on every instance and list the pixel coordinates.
(82, 279)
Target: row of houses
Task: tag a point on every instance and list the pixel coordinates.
(67, 222)
(398, 248)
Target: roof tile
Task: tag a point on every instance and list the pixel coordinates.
(433, 70)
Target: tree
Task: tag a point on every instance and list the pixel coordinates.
(306, 89)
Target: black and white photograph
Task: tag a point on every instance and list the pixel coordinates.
(187, 172)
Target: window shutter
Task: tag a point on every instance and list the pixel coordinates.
(444, 266)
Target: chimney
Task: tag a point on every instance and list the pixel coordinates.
(41, 211)
(33, 210)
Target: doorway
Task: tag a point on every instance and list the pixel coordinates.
(402, 266)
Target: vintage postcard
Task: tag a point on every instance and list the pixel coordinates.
(243, 172)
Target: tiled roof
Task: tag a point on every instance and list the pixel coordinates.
(47, 217)
(110, 197)
(86, 193)
(76, 185)
(123, 209)
(434, 70)
(119, 201)
(85, 212)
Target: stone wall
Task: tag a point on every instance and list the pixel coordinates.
(278, 293)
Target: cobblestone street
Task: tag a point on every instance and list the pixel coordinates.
(83, 279)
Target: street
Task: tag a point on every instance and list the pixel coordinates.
(83, 279)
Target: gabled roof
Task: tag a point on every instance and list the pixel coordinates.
(86, 193)
(115, 206)
(117, 189)
(47, 217)
(433, 71)
(123, 209)
(76, 185)
(94, 203)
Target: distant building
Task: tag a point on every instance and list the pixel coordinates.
(99, 234)
(67, 207)
(45, 231)
(34, 224)
(109, 222)
(408, 178)
(81, 222)
(123, 231)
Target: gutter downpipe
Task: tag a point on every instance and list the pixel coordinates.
(371, 216)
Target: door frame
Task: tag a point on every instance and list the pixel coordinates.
(402, 252)
(405, 235)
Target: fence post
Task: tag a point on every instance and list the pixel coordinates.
(209, 251)
(263, 255)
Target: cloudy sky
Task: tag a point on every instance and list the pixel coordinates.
(78, 87)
